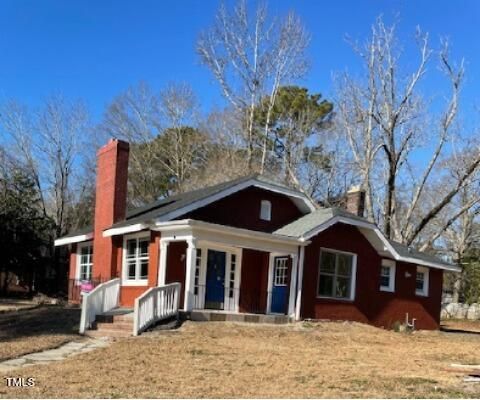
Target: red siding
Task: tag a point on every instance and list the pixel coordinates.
(370, 305)
(242, 210)
(176, 266)
(254, 281)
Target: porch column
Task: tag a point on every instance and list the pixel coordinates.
(298, 306)
(293, 285)
(162, 269)
(190, 275)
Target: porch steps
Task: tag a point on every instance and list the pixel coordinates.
(116, 323)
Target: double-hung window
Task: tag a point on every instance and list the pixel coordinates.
(337, 275)
(421, 281)
(136, 260)
(85, 262)
(265, 210)
(387, 276)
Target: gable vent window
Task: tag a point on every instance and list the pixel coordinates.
(266, 210)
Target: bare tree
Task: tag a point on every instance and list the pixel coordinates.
(162, 128)
(386, 118)
(49, 143)
(251, 56)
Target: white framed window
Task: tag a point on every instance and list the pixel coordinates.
(198, 262)
(266, 210)
(233, 267)
(421, 281)
(387, 276)
(135, 259)
(280, 271)
(85, 261)
(337, 274)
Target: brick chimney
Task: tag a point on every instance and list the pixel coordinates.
(356, 200)
(110, 205)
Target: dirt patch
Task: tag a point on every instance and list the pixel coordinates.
(28, 331)
(240, 360)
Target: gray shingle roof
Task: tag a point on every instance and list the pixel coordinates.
(307, 223)
(310, 221)
(406, 251)
(78, 232)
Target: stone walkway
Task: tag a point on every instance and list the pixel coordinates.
(58, 354)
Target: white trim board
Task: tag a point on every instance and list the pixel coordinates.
(387, 248)
(73, 239)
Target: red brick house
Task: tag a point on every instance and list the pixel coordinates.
(247, 248)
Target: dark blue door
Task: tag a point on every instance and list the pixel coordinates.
(215, 282)
(280, 285)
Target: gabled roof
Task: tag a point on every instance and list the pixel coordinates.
(302, 226)
(311, 224)
(177, 205)
(180, 204)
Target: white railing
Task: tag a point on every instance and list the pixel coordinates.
(154, 305)
(101, 299)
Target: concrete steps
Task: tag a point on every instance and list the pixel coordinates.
(116, 323)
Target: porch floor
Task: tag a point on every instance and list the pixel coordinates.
(221, 315)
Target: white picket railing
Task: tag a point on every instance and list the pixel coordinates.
(101, 299)
(154, 305)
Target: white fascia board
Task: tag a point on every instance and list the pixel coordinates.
(227, 192)
(200, 226)
(125, 229)
(287, 192)
(73, 239)
(387, 246)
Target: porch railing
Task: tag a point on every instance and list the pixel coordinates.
(76, 288)
(101, 299)
(156, 304)
(237, 299)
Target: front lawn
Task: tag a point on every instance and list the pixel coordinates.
(28, 331)
(239, 360)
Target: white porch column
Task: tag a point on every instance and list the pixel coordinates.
(190, 275)
(162, 268)
(293, 285)
(298, 306)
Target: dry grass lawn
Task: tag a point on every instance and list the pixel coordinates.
(238, 360)
(28, 331)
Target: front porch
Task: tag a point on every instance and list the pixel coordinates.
(230, 273)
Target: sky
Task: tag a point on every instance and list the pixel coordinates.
(94, 50)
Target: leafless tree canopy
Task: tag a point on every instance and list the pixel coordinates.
(387, 120)
(250, 56)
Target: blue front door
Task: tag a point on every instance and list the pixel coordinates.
(280, 285)
(215, 282)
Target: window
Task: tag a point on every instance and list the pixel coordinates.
(337, 275)
(281, 270)
(85, 262)
(421, 282)
(233, 266)
(387, 276)
(266, 210)
(198, 261)
(136, 259)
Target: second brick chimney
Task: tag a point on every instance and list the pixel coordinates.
(110, 204)
(356, 201)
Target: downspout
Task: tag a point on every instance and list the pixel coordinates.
(298, 304)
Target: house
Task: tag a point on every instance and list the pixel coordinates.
(252, 247)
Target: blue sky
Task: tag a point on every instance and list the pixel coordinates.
(96, 49)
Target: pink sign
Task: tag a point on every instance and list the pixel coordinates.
(86, 287)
